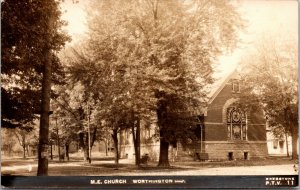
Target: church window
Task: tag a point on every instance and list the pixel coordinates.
(236, 86)
(236, 124)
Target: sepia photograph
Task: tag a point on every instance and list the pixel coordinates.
(149, 94)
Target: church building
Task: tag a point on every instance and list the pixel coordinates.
(227, 131)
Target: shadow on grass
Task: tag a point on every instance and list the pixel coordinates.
(108, 165)
(15, 162)
(94, 159)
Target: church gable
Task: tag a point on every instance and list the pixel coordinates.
(222, 125)
(231, 132)
(229, 89)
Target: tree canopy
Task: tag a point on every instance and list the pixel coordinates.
(25, 36)
(271, 81)
(139, 49)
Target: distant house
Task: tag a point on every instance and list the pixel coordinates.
(279, 146)
(227, 132)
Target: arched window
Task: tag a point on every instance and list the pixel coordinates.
(236, 124)
(236, 86)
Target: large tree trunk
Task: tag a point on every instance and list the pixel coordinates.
(294, 142)
(44, 118)
(115, 139)
(83, 147)
(136, 142)
(164, 144)
(164, 154)
(67, 151)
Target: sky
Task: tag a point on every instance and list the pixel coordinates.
(75, 15)
(264, 18)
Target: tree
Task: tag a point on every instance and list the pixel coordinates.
(76, 109)
(175, 124)
(158, 46)
(69, 107)
(63, 132)
(8, 142)
(23, 137)
(22, 44)
(82, 70)
(271, 78)
(280, 132)
(30, 37)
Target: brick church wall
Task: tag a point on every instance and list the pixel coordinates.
(256, 132)
(215, 108)
(215, 132)
(215, 138)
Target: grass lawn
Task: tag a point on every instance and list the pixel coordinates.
(106, 166)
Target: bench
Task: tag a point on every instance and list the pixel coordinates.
(201, 156)
(145, 159)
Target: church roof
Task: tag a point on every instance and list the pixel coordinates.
(219, 85)
(218, 88)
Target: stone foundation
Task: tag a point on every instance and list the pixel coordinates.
(236, 150)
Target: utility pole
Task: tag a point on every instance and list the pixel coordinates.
(44, 119)
(43, 145)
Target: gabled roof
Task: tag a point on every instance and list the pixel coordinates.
(215, 92)
(217, 89)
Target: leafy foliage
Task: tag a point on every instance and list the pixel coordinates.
(25, 36)
(271, 80)
(144, 56)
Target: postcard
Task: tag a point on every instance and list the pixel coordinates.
(149, 94)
